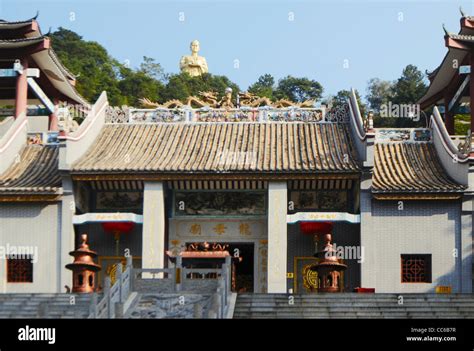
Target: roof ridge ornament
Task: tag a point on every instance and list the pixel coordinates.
(446, 31)
(464, 146)
(463, 14)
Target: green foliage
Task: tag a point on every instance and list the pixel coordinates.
(462, 123)
(298, 89)
(407, 89)
(88, 60)
(379, 92)
(182, 85)
(341, 98)
(153, 69)
(97, 71)
(264, 86)
(410, 87)
(137, 84)
(466, 117)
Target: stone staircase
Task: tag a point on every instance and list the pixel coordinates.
(352, 305)
(44, 305)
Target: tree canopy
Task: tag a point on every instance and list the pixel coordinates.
(264, 86)
(96, 71)
(406, 90)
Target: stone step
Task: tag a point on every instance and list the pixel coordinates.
(407, 305)
(354, 306)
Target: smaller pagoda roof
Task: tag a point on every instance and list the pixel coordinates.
(410, 167)
(46, 59)
(20, 42)
(36, 173)
(19, 28)
(17, 24)
(445, 72)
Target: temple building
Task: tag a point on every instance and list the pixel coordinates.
(394, 205)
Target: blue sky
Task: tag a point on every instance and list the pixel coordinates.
(340, 43)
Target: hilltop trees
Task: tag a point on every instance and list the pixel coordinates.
(406, 90)
(264, 86)
(96, 71)
(288, 88)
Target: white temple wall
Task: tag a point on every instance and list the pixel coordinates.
(35, 225)
(419, 227)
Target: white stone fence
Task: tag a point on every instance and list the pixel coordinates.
(166, 280)
(242, 114)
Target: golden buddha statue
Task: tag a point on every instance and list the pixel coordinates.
(193, 64)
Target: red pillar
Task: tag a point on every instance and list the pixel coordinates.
(53, 118)
(471, 90)
(21, 98)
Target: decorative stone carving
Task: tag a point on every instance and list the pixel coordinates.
(115, 114)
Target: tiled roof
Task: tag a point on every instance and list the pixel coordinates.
(35, 173)
(410, 167)
(462, 37)
(220, 148)
(20, 42)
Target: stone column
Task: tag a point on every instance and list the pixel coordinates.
(368, 235)
(277, 237)
(153, 238)
(21, 97)
(466, 250)
(67, 235)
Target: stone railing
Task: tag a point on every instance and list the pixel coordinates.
(111, 304)
(242, 114)
(216, 281)
(403, 134)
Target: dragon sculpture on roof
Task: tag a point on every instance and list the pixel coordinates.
(210, 99)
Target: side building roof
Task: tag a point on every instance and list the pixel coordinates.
(34, 177)
(412, 169)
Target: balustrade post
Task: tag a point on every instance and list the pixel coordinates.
(223, 296)
(197, 310)
(118, 280)
(130, 272)
(107, 296)
(93, 305)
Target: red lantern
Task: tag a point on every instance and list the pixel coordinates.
(121, 227)
(315, 228)
(117, 228)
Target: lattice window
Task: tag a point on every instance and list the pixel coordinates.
(19, 270)
(416, 268)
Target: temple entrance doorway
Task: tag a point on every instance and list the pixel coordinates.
(242, 261)
(244, 266)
